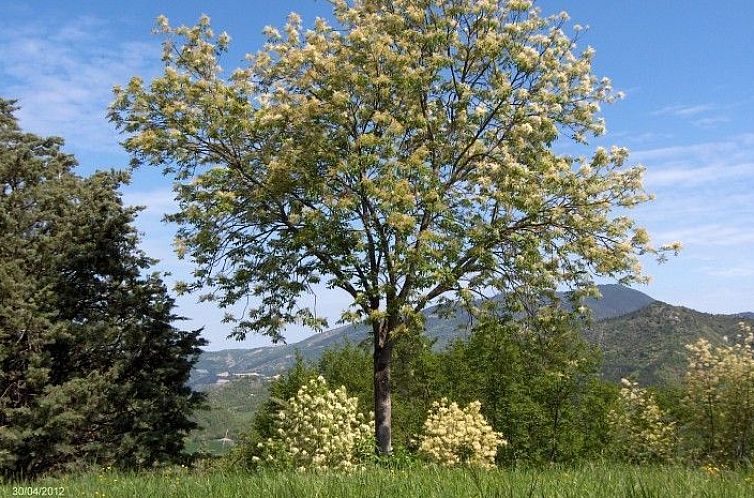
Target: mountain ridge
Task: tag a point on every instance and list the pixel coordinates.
(639, 337)
(220, 366)
(649, 344)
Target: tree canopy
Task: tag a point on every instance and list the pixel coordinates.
(403, 154)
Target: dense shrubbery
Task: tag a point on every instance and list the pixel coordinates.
(318, 429)
(536, 384)
(455, 435)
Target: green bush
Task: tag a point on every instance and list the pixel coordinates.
(538, 384)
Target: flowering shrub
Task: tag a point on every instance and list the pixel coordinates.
(318, 429)
(638, 425)
(720, 397)
(454, 435)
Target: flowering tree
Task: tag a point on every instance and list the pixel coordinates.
(402, 155)
(720, 396)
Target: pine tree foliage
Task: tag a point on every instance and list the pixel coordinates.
(91, 367)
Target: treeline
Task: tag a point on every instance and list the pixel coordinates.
(539, 386)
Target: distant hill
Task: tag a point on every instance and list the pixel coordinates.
(219, 366)
(650, 343)
(638, 336)
(617, 301)
(231, 408)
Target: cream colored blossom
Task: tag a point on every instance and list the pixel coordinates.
(455, 435)
(639, 426)
(319, 428)
(720, 394)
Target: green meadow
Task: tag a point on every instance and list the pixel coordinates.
(599, 480)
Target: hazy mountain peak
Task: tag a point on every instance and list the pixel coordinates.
(617, 300)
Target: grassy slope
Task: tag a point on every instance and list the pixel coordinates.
(588, 481)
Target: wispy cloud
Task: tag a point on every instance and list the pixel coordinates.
(736, 149)
(708, 235)
(711, 121)
(640, 137)
(683, 206)
(705, 116)
(683, 110)
(730, 271)
(705, 199)
(63, 75)
(719, 169)
(674, 176)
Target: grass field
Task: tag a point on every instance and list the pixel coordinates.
(587, 481)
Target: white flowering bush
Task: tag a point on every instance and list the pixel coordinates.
(720, 397)
(455, 435)
(317, 429)
(639, 427)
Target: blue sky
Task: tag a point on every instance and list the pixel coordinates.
(686, 67)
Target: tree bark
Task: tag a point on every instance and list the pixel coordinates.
(383, 351)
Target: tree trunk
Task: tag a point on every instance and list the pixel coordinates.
(383, 351)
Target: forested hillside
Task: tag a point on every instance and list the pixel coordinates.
(638, 335)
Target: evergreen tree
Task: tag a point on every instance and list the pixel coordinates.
(91, 367)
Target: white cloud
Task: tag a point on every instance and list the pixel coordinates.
(730, 271)
(62, 76)
(703, 115)
(711, 235)
(705, 199)
(675, 176)
(717, 172)
(682, 207)
(711, 121)
(736, 149)
(683, 110)
(640, 137)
